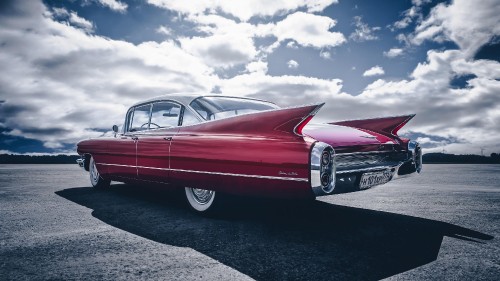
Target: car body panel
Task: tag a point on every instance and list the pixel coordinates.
(388, 126)
(262, 153)
(225, 162)
(153, 155)
(348, 140)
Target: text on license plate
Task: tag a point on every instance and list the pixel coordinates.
(375, 178)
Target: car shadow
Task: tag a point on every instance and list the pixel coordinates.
(278, 240)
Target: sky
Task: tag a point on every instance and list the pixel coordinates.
(70, 69)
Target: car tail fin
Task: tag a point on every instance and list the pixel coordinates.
(388, 126)
(283, 120)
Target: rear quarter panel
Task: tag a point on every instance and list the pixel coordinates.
(285, 156)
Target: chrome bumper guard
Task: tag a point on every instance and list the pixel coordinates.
(81, 162)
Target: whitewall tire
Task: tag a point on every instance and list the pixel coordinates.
(200, 200)
(95, 178)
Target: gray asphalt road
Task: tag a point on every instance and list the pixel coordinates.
(443, 225)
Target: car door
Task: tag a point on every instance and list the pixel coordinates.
(153, 145)
(122, 152)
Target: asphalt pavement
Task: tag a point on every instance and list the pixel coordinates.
(441, 225)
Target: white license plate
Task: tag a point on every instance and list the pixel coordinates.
(375, 178)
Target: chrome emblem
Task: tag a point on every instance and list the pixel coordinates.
(287, 174)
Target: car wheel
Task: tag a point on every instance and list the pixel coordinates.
(201, 200)
(95, 178)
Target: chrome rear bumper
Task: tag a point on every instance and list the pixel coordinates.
(351, 167)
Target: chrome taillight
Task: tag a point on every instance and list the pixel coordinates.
(325, 158)
(325, 179)
(322, 168)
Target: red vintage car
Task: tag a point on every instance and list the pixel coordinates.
(212, 144)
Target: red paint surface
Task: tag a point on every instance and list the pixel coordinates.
(262, 144)
(388, 126)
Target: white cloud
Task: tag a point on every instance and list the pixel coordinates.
(470, 24)
(308, 30)
(63, 83)
(221, 50)
(165, 30)
(393, 52)
(470, 114)
(413, 14)
(81, 22)
(292, 45)
(326, 55)
(229, 43)
(408, 17)
(402, 38)
(292, 64)
(216, 24)
(243, 9)
(114, 5)
(257, 66)
(73, 18)
(374, 71)
(363, 32)
(285, 90)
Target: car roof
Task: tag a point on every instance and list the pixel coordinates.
(187, 98)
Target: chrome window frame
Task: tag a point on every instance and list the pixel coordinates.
(126, 130)
(231, 97)
(129, 119)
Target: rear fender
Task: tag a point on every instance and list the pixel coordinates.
(289, 121)
(387, 126)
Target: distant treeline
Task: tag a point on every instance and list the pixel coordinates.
(38, 159)
(431, 158)
(442, 158)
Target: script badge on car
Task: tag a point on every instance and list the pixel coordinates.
(375, 178)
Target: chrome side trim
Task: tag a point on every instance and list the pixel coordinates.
(404, 122)
(312, 113)
(361, 153)
(379, 117)
(131, 166)
(211, 173)
(241, 175)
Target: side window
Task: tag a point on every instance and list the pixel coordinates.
(128, 120)
(165, 115)
(140, 120)
(189, 118)
(196, 106)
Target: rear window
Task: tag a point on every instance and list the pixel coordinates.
(213, 108)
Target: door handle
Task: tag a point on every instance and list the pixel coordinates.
(168, 138)
(135, 138)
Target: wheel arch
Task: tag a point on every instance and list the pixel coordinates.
(86, 163)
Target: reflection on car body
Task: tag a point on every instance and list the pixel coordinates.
(212, 144)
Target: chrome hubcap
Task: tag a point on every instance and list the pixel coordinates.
(202, 196)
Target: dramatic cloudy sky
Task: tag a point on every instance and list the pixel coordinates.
(69, 69)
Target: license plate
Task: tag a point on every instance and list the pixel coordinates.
(375, 178)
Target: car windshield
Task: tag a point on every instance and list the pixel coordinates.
(212, 108)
